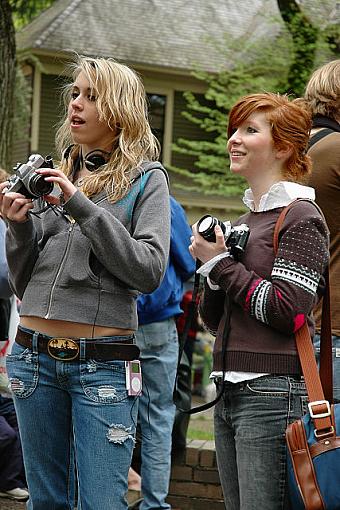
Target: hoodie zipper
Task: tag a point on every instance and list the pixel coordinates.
(70, 232)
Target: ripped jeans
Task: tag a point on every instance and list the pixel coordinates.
(73, 413)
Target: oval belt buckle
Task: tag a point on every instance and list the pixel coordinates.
(63, 349)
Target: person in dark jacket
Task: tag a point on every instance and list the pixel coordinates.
(157, 339)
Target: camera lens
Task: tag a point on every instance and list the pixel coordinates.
(206, 227)
(38, 186)
(206, 224)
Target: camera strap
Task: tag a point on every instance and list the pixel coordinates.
(192, 314)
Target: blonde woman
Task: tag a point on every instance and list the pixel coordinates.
(78, 275)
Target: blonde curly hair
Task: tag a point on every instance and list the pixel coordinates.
(121, 102)
(323, 90)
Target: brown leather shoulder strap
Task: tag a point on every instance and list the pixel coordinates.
(304, 344)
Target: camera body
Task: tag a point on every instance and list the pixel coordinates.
(26, 181)
(236, 238)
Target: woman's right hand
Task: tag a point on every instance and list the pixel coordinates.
(205, 250)
(14, 206)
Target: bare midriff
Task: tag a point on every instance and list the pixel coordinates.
(53, 327)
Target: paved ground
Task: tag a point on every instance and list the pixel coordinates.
(6, 504)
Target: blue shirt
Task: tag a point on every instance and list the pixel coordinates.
(165, 301)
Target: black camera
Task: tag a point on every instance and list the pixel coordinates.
(235, 237)
(26, 181)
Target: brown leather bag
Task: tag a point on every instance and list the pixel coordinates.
(312, 441)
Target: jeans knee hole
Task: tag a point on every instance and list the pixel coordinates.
(119, 434)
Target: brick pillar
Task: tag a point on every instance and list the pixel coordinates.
(195, 484)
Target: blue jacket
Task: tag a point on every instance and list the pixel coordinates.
(165, 301)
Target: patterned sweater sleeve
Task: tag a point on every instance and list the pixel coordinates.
(284, 300)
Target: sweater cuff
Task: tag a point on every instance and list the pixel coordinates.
(218, 269)
(205, 269)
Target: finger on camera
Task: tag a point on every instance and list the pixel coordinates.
(13, 195)
(18, 213)
(4, 186)
(219, 235)
(49, 171)
(20, 203)
(51, 199)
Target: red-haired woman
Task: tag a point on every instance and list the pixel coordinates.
(269, 297)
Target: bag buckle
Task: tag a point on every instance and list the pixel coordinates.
(317, 403)
(63, 349)
(324, 432)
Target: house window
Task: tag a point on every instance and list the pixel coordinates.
(157, 115)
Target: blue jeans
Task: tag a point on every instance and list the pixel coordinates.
(158, 343)
(250, 423)
(79, 408)
(336, 363)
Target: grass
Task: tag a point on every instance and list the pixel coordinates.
(201, 426)
(194, 433)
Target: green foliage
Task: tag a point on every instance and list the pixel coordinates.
(305, 44)
(282, 65)
(25, 10)
(262, 67)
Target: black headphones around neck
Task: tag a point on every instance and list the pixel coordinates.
(93, 159)
(96, 158)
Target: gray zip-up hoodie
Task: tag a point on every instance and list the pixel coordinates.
(89, 265)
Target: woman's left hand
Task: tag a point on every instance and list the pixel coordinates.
(57, 177)
(205, 250)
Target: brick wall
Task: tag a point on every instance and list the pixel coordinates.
(195, 483)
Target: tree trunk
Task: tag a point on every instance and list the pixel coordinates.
(7, 82)
(304, 36)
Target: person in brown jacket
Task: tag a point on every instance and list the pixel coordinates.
(323, 95)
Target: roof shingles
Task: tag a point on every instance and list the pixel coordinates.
(176, 34)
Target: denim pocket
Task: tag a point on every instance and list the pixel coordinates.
(157, 335)
(299, 399)
(23, 371)
(268, 386)
(103, 381)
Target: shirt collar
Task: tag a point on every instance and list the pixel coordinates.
(279, 194)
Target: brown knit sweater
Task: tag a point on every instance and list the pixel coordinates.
(270, 297)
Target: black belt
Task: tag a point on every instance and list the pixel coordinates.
(68, 349)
